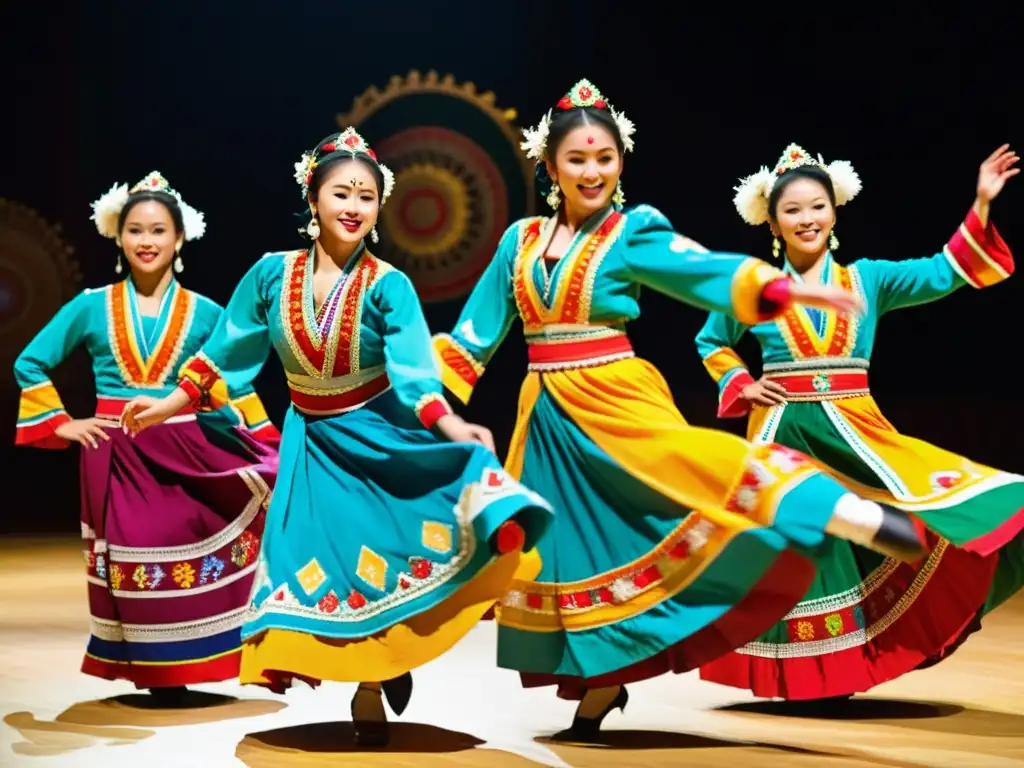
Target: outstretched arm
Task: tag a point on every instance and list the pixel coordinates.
(976, 255)
(746, 288)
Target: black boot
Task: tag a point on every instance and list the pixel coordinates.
(372, 731)
(588, 728)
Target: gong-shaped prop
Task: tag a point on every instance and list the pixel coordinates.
(460, 178)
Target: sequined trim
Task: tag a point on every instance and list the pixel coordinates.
(422, 577)
(170, 584)
(574, 284)
(822, 385)
(335, 385)
(115, 631)
(523, 290)
(151, 373)
(429, 399)
(841, 329)
(458, 358)
(580, 290)
(570, 351)
(298, 336)
(260, 500)
(813, 363)
(337, 354)
(617, 594)
(835, 612)
(575, 365)
(343, 349)
(560, 333)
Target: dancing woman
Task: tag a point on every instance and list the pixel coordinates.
(385, 542)
(171, 521)
(672, 544)
(866, 619)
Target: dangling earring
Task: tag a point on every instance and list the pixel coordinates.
(313, 228)
(833, 241)
(119, 269)
(373, 235)
(776, 247)
(179, 265)
(618, 198)
(554, 197)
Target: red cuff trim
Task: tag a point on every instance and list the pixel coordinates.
(730, 404)
(989, 238)
(195, 394)
(41, 435)
(433, 410)
(775, 298)
(198, 365)
(979, 254)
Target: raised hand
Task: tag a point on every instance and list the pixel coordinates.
(994, 172)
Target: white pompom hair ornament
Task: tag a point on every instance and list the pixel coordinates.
(107, 210)
(753, 192)
(583, 94)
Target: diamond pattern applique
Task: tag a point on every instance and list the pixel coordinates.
(437, 537)
(311, 576)
(372, 568)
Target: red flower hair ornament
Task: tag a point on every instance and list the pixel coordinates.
(583, 94)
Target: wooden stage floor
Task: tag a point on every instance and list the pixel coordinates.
(968, 711)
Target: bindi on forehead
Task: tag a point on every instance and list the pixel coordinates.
(590, 139)
(355, 182)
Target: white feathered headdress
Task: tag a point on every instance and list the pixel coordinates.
(583, 94)
(107, 210)
(752, 194)
(350, 141)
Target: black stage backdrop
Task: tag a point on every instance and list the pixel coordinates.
(223, 99)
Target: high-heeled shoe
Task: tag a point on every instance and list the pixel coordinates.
(587, 728)
(398, 691)
(366, 732)
(898, 537)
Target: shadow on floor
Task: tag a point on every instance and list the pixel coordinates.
(854, 709)
(140, 709)
(125, 719)
(636, 747)
(325, 743)
(42, 738)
